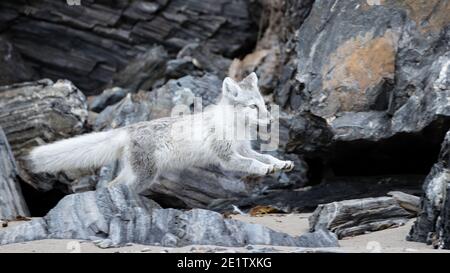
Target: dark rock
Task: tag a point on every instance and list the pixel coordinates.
(432, 225)
(202, 58)
(198, 187)
(418, 112)
(106, 98)
(274, 52)
(14, 69)
(202, 187)
(351, 51)
(12, 203)
(351, 124)
(39, 112)
(374, 75)
(340, 43)
(309, 135)
(295, 14)
(373, 125)
(407, 201)
(331, 189)
(143, 72)
(114, 216)
(195, 60)
(178, 68)
(90, 43)
(297, 177)
(358, 216)
(131, 109)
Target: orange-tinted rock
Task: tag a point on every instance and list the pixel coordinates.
(276, 45)
(429, 15)
(358, 65)
(369, 55)
(346, 57)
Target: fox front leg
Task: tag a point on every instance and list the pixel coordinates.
(268, 159)
(236, 162)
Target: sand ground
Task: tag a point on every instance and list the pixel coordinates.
(389, 240)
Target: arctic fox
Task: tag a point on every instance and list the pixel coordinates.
(148, 148)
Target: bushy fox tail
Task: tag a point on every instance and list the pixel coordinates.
(85, 151)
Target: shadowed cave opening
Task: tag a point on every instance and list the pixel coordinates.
(402, 154)
(40, 203)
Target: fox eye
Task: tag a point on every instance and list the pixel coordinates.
(253, 106)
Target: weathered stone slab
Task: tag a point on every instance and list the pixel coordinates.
(433, 224)
(12, 203)
(358, 216)
(114, 216)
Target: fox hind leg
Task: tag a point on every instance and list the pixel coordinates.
(143, 166)
(126, 176)
(136, 180)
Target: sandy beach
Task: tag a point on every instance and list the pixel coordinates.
(389, 241)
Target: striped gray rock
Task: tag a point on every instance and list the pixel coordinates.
(433, 224)
(114, 216)
(12, 203)
(358, 216)
(91, 43)
(32, 113)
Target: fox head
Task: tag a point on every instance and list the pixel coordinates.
(246, 98)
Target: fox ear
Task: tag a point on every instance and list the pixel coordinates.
(251, 79)
(230, 87)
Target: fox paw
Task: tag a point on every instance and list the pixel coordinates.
(288, 166)
(270, 170)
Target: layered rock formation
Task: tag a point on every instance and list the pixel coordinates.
(432, 225)
(97, 39)
(39, 112)
(374, 69)
(359, 216)
(115, 216)
(12, 204)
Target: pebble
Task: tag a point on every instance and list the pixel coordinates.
(147, 249)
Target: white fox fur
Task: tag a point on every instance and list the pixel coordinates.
(147, 148)
(81, 152)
